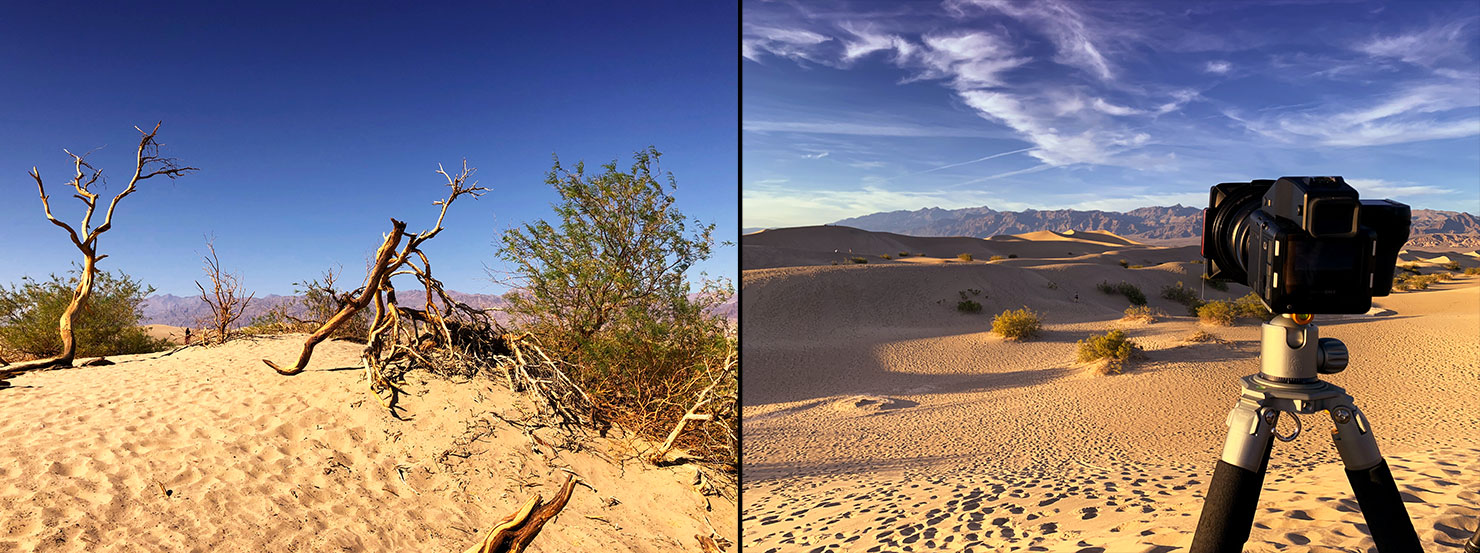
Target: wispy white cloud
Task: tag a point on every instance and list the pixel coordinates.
(1073, 38)
(865, 129)
(1380, 187)
(797, 44)
(1427, 112)
(1429, 47)
(818, 155)
(1217, 67)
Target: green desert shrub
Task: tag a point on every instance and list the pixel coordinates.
(1113, 346)
(1252, 307)
(964, 256)
(968, 306)
(904, 254)
(886, 257)
(108, 323)
(859, 260)
(605, 287)
(999, 258)
(1410, 268)
(1182, 295)
(1219, 285)
(1218, 312)
(1452, 265)
(1130, 291)
(1472, 271)
(1019, 324)
(1124, 263)
(1416, 282)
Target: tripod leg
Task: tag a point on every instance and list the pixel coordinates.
(1228, 510)
(1372, 482)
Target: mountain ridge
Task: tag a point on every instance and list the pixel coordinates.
(1431, 228)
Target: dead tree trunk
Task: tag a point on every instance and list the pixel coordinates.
(514, 532)
(379, 270)
(387, 262)
(148, 164)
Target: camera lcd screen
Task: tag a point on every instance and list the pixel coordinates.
(1325, 268)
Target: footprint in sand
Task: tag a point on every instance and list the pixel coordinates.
(1089, 513)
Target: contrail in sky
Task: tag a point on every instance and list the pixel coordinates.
(978, 160)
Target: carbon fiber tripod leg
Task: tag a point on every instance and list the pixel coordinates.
(1228, 510)
(1372, 482)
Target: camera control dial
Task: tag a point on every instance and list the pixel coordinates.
(1333, 356)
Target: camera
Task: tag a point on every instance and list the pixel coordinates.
(1305, 245)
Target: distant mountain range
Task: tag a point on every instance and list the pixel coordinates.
(175, 310)
(1431, 228)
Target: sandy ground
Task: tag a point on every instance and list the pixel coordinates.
(879, 418)
(207, 449)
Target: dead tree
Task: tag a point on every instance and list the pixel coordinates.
(224, 300)
(514, 532)
(148, 164)
(388, 260)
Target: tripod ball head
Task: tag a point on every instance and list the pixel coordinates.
(1333, 356)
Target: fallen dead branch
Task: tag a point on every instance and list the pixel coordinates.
(514, 532)
(559, 400)
(660, 457)
(384, 343)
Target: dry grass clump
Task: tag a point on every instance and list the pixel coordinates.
(1142, 313)
(859, 259)
(1469, 271)
(1203, 336)
(964, 256)
(1113, 347)
(1452, 265)
(1130, 291)
(968, 306)
(1019, 324)
(998, 258)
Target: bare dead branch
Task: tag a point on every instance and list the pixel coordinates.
(225, 300)
(514, 532)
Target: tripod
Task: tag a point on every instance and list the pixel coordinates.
(1292, 357)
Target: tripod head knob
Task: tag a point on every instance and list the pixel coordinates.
(1333, 356)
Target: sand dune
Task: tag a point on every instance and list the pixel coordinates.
(876, 414)
(206, 449)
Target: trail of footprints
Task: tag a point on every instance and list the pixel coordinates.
(962, 510)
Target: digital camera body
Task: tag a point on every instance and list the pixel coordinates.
(1304, 244)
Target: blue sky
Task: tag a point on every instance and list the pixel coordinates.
(851, 108)
(315, 123)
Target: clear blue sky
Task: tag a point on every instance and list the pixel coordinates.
(315, 123)
(856, 107)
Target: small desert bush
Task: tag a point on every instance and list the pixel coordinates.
(1218, 312)
(998, 258)
(1130, 291)
(1020, 324)
(1182, 295)
(886, 257)
(1417, 282)
(1142, 313)
(1114, 347)
(1452, 265)
(1052, 285)
(1201, 336)
(1219, 285)
(964, 256)
(1012, 256)
(1411, 268)
(1472, 271)
(108, 323)
(968, 306)
(859, 260)
(1446, 275)
(904, 254)
(1252, 307)
(1124, 263)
